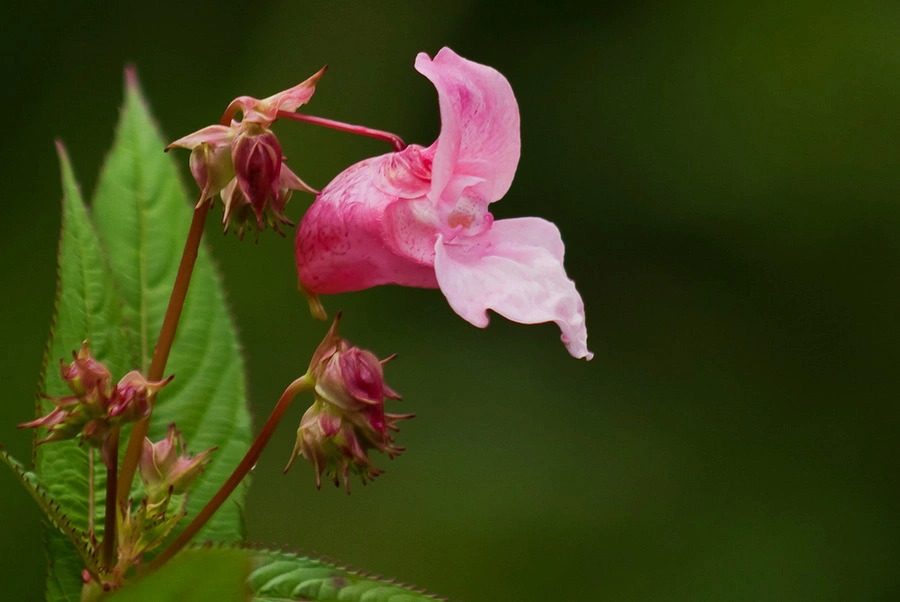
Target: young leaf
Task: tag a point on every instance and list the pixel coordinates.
(194, 576)
(142, 216)
(281, 576)
(87, 308)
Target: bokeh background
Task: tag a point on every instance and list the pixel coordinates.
(726, 179)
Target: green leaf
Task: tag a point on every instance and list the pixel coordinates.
(281, 576)
(52, 511)
(142, 215)
(64, 568)
(115, 279)
(213, 575)
(87, 308)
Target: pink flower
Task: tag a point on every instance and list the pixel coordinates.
(242, 162)
(419, 217)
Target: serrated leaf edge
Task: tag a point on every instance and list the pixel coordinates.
(329, 563)
(52, 511)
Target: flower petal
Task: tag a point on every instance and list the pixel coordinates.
(292, 98)
(479, 126)
(515, 269)
(291, 181)
(215, 135)
(346, 243)
(265, 111)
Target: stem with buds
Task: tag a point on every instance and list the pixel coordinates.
(122, 481)
(304, 383)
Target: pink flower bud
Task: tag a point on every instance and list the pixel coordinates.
(347, 418)
(157, 459)
(257, 164)
(130, 399)
(86, 376)
(212, 168)
(165, 464)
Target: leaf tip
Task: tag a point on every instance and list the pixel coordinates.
(131, 78)
(61, 151)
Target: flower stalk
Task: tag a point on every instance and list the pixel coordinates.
(393, 139)
(109, 522)
(163, 347)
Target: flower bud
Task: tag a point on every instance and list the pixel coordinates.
(130, 399)
(241, 160)
(164, 465)
(157, 459)
(257, 165)
(85, 376)
(212, 168)
(97, 406)
(347, 418)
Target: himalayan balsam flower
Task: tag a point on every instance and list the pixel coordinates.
(242, 162)
(347, 418)
(419, 217)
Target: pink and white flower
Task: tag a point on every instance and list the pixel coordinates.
(420, 217)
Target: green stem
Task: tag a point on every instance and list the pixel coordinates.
(163, 346)
(109, 521)
(304, 383)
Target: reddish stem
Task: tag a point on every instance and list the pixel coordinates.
(163, 346)
(109, 521)
(303, 383)
(388, 137)
(91, 492)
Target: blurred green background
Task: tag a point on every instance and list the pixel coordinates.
(726, 177)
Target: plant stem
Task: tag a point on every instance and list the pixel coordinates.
(163, 345)
(109, 521)
(91, 492)
(303, 383)
(393, 139)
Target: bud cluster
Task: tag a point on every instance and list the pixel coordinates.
(96, 405)
(347, 418)
(243, 163)
(167, 471)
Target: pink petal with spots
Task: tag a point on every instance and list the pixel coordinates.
(346, 243)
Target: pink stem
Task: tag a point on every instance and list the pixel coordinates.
(163, 346)
(388, 137)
